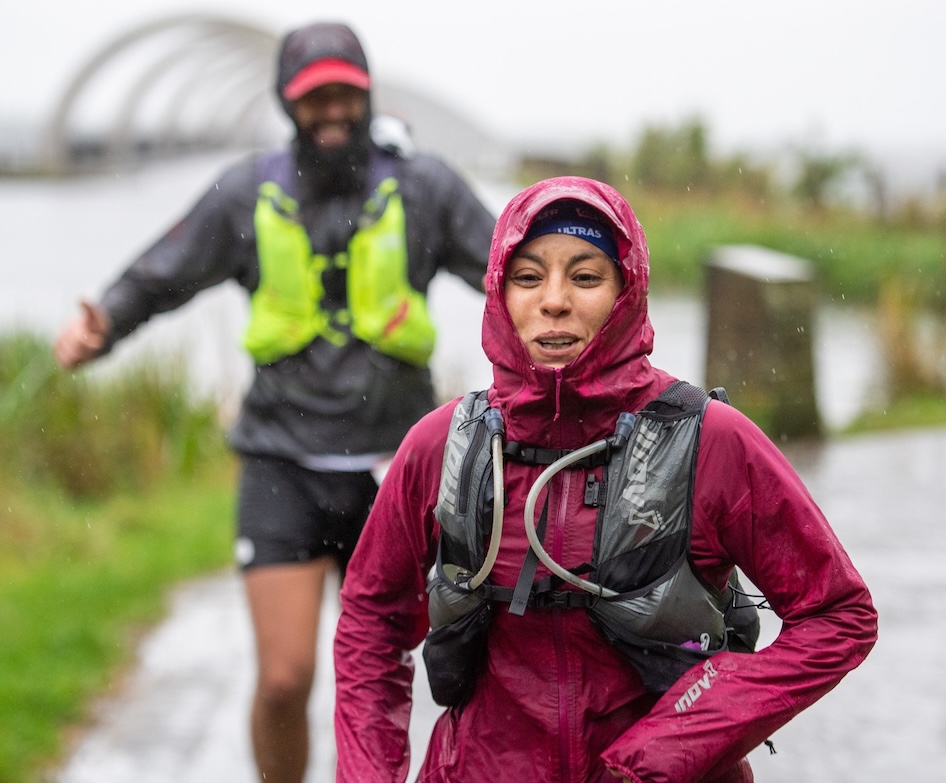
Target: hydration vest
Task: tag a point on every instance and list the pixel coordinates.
(286, 309)
(663, 618)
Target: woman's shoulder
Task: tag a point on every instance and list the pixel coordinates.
(419, 458)
(724, 423)
(431, 431)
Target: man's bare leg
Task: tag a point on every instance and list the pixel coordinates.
(285, 604)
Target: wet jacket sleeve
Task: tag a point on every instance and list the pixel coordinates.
(752, 510)
(211, 243)
(446, 207)
(384, 612)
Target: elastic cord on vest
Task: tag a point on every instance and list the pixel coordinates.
(494, 425)
(622, 432)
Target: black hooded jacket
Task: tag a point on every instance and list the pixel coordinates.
(346, 400)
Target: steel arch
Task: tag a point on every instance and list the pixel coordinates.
(229, 63)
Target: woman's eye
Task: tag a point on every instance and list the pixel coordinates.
(525, 278)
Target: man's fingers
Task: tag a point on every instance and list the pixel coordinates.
(95, 318)
(83, 338)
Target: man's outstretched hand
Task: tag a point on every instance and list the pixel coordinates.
(84, 337)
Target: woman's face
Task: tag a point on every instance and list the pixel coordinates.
(559, 290)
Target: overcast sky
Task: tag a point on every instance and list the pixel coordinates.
(835, 73)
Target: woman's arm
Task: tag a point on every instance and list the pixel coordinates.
(751, 509)
(384, 612)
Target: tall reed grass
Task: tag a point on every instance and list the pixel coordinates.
(90, 436)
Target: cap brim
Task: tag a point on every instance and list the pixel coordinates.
(324, 72)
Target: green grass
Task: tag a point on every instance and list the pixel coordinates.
(93, 437)
(78, 581)
(912, 412)
(112, 491)
(851, 255)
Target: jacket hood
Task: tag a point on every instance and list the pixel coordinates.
(319, 41)
(558, 408)
(341, 170)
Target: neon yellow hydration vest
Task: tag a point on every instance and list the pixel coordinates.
(286, 312)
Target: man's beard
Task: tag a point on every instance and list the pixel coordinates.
(331, 171)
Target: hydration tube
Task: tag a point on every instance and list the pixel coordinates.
(496, 429)
(622, 432)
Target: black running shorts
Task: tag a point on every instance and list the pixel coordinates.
(290, 514)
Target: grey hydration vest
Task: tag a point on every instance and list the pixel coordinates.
(663, 618)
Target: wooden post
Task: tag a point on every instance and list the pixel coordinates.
(759, 337)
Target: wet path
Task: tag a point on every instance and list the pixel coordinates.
(183, 714)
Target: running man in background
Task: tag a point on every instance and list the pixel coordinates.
(336, 239)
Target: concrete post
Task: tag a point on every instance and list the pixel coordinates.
(759, 338)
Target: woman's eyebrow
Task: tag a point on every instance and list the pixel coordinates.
(527, 254)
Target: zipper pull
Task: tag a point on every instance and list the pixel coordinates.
(592, 490)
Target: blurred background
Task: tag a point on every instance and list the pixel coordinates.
(809, 129)
(812, 130)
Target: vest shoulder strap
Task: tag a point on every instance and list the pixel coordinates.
(276, 166)
(682, 399)
(464, 478)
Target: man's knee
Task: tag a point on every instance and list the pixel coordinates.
(285, 687)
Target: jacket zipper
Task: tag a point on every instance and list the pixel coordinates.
(561, 657)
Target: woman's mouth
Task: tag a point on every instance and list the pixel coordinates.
(556, 343)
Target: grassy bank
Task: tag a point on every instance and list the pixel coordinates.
(852, 256)
(917, 411)
(78, 584)
(112, 492)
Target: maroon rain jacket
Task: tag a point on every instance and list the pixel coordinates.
(554, 702)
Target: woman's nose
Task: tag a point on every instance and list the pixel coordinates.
(555, 298)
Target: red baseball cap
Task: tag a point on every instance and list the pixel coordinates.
(331, 70)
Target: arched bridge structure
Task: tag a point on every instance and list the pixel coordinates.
(181, 82)
(194, 82)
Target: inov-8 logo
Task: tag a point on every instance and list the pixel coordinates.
(704, 683)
